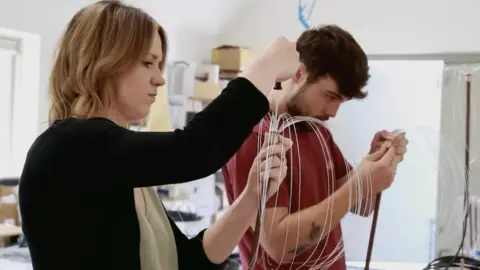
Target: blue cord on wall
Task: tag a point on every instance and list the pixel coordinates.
(302, 17)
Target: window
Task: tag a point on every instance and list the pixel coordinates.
(8, 53)
(19, 93)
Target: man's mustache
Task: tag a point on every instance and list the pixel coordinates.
(323, 118)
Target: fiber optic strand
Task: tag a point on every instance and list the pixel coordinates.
(287, 122)
(278, 124)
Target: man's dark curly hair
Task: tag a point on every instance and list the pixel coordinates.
(331, 51)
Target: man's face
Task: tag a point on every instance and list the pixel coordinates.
(320, 99)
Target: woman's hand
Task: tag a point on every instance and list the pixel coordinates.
(277, 63)
(284, 58)
(221, 238)
(270, 165)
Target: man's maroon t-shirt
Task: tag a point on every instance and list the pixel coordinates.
(311, 179)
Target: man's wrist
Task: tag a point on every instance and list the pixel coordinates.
(355, 186)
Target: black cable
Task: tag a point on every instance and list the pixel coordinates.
(278, 86)
(454, 261)
(456, 257)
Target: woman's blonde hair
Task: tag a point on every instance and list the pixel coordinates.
(101, 41)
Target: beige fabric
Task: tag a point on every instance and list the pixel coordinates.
(158, 250)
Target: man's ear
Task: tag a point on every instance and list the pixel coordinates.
(300, 74)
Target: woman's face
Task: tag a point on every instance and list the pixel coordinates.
(137, 88)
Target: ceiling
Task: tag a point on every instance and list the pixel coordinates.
(206, 17)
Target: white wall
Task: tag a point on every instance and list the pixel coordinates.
(398, 99)
(192, 26)
(381, 27)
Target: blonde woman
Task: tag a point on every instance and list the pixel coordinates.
(85, 194)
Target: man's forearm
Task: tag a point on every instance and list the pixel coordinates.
(307, 227)
(223, 236)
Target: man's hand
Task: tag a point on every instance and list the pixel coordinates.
(377, 170)
(397, 139)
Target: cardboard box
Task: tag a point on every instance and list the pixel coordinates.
(229, 75)
(6, 190)
(8, 231)
(8, 206)
(230, 57)
(9, 213)
(206, 91)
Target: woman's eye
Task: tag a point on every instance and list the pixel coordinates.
(148, 64)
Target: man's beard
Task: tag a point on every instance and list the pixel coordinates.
(294, 109)
(294, 106)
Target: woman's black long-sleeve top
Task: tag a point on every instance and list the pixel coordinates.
(76, 188)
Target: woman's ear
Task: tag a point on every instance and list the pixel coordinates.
(299, 74)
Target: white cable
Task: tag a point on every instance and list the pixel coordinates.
(326, 227)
